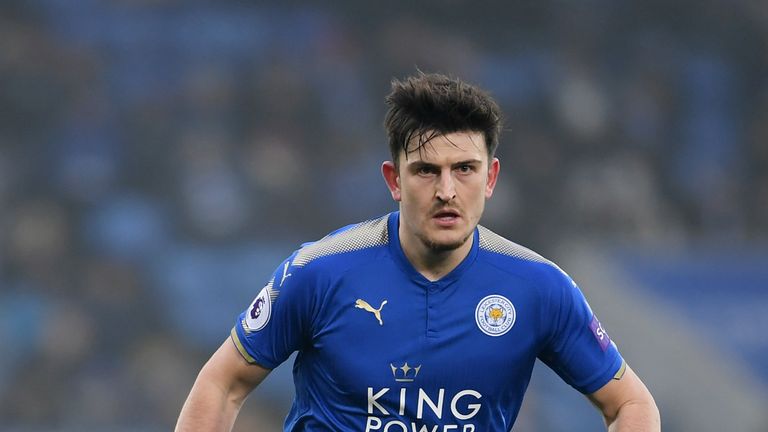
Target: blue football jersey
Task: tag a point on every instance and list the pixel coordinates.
(382, 348)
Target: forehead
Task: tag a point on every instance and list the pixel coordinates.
(448, 148)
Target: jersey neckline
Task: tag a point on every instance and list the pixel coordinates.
(406, 266)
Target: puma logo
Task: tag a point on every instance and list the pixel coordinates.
(285, 273)
(362, 304)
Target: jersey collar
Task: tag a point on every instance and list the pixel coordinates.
(396, 250)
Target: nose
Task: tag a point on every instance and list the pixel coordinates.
(446, 189)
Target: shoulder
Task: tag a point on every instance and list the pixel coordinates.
(496, 244)
(358, 240)
(546, 280)
(516, 259)
(304, 278)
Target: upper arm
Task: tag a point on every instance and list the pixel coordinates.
(229, 371)
(620, 392)
(219, 391)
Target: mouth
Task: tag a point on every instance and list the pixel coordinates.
(446, 217)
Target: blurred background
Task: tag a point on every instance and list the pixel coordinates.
(158, 158)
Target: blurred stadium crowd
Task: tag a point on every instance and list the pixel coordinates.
(158, 157)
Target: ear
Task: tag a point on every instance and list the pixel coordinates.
(493, 175)
(392, 179)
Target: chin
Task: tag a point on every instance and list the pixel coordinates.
(444, 244)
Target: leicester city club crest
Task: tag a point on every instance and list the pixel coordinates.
(495, 315)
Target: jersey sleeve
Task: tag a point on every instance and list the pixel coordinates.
(578, 349)
(279, 320)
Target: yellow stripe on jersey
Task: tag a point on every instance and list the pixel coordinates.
(622, 369)
(240, 347)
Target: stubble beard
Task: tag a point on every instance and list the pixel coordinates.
(437, 247)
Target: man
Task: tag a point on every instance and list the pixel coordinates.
(420, 320)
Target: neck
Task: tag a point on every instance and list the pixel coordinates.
(432, 264)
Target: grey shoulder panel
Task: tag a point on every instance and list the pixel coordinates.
(493, 242)
(364, 235)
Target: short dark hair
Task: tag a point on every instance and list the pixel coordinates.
(429, 105)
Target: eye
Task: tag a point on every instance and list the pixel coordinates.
(425, 170)
(465, 168)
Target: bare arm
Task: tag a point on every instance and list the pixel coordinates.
(627, 405)
(219, 391)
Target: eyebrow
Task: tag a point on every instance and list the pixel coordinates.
(421, 163)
